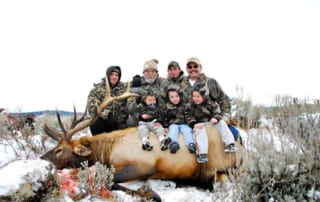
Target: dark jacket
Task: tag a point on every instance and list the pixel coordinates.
(152, 111)
(201, 113)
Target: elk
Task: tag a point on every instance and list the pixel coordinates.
(122, 150)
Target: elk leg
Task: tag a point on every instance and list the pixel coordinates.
(133, 173)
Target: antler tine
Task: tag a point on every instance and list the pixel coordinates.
(67, 134)
(60, 122)
(53, 134)
(106, 99)
(109, 99)
(75, 121)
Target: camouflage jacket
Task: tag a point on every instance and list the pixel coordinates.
(118, 109)
(155, 87)
(202, 113)
(153, 112)
(167, 82)
(213, 90)
(174, 114)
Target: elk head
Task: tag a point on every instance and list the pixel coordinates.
(70, 153)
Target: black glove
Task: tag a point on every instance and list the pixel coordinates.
(136, 81)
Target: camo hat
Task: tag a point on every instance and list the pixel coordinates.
(173, 64)
(194, 60)
(151, 64)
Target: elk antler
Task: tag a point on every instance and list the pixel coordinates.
(82, 123)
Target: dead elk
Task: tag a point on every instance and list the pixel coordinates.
(122, 149)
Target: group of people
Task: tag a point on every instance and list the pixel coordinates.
(178, 103)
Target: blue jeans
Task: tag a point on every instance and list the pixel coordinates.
(186, 130)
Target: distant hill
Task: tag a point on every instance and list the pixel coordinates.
(48, 112)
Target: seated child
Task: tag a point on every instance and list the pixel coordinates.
(199, 113)
(148, 115)
(175, 121)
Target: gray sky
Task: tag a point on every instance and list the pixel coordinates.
(51, 52)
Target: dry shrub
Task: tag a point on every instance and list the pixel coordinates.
(285, 161)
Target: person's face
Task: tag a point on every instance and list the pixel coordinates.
(150, 99)
(174, 97)
(114, 78)
(150, 75)
(193, 70)
(196, 97)
(174, 72)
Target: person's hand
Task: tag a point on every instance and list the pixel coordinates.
(145, 116)
(214, 120)
(198, 126)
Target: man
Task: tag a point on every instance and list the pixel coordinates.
(174, 78)
(149, 81)
(213, 91)
(114, 116)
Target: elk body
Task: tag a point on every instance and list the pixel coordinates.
(122, 150)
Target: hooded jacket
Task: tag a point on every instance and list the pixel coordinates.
(118, 108)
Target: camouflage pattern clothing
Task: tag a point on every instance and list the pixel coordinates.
(153, 112)
(146, 125)
(155, 87)
(174, 114)
(202, 113)
(169, 82)
(114, 116)
(133, 102)
(213, 90)
(117, 109)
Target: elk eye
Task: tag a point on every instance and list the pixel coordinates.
(58, 151)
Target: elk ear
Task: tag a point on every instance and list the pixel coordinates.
(82, 150)
(84, 141)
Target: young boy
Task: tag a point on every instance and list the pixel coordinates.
(201, 112)
(149, 117)
(175, 122)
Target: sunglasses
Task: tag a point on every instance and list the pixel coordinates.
(192, 66)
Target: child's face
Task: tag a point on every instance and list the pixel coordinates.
(174, 97)
(196, 97)
(150, 99)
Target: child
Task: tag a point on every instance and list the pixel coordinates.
(149, 117)
(175, 121)
(199, 113)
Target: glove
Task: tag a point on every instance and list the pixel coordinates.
(136, 81)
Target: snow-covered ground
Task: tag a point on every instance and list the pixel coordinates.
(19, 164)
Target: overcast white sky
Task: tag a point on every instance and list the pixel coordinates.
(51, 52)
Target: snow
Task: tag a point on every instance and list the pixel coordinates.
(19, 165)
(24, 171)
